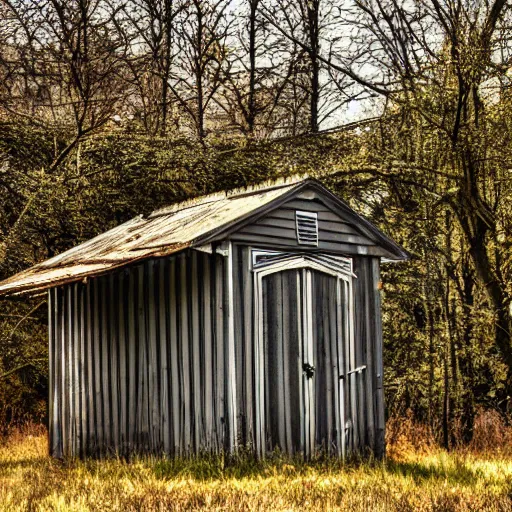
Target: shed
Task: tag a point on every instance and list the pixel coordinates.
(248, 318)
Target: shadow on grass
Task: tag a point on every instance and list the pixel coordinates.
(456, 472)
(32, 462)
(209, 467)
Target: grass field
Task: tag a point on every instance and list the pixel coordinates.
(408, 480)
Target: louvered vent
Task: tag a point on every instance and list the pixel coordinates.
(307, 228)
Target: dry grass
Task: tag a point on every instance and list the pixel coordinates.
(426, 479)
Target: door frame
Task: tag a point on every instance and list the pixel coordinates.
(265, 263)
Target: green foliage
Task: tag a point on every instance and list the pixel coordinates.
(437, 324)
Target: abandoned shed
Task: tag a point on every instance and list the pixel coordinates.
(249, 318)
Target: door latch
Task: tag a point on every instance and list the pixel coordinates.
(309, 370)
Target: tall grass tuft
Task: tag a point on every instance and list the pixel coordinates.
(417, 475)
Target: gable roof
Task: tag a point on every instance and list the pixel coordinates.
(169, 230)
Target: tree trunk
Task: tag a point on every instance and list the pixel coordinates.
(251, 104)
(313, 9)
(498, 299)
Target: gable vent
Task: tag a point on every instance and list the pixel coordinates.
(307, 228)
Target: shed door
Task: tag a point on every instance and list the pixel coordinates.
(303, 350)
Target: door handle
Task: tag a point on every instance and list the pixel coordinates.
(309, 370)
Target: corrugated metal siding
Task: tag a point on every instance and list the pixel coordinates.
(137, 360)
(368, 334)
(153, 359)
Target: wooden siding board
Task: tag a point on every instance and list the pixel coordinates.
(286, 219)
(277, 231)
(306, 205)
(279, 243)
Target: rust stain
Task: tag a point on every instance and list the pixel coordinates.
(162, 233)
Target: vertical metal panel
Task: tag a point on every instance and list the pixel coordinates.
(299, 325)
(131, 351)
(184, 345)
(287, 350)
(122, 383)
(153, 348)
(83, 369)
(113, 342)
(259, 370)
(163, 305)
(51, 371)
(220, 378)
(98, 397)
(309, 360)
(142, 411)
(359, 356)
(230, 354)
(207, 388)
(340, 343)
(369, 349)
(240, 355)
(247, 339)
(195, 362)
(176, 416)
(55, 360)
(65, 362)
(75, 342)
(106, 395)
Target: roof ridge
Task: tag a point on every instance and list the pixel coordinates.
(229, 194)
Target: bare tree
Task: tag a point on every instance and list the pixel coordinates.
(203, 30)
(149, 28)
(61, 67)
(309, 24)
(442, 67)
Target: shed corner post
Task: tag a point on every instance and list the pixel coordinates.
(380, 441)
(230, 354)
(51, 395)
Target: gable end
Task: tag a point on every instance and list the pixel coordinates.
(306, 222)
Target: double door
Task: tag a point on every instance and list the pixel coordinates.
(304, 340)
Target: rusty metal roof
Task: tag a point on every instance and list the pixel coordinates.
(166, 231)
